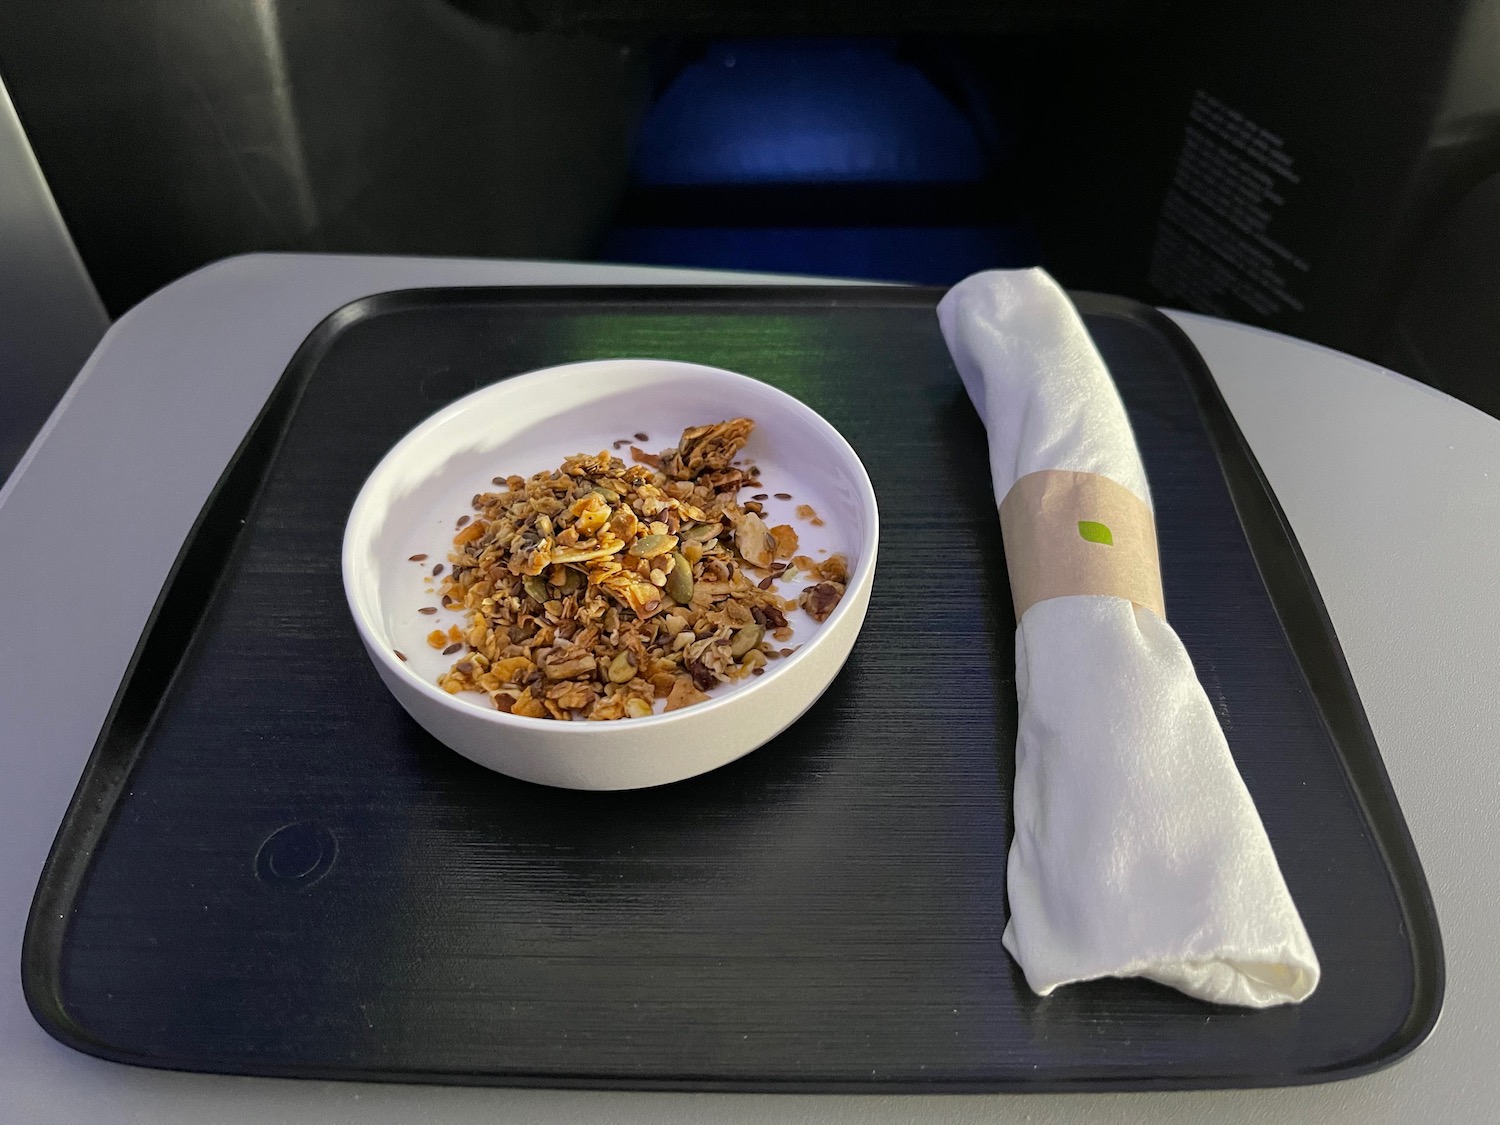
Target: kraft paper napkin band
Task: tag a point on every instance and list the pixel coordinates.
(1072, 533)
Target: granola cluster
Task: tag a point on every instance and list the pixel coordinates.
(596, 590)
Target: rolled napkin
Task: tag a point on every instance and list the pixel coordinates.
(1138, 851)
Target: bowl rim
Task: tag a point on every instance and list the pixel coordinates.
(385, 654)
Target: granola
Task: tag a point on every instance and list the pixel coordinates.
(596, 590)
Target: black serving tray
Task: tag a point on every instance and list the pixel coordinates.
(269, 869)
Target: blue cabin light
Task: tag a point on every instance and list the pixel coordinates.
(805, 111)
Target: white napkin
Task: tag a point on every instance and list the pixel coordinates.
(1137, 849)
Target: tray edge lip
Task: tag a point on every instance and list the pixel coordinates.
(1391, 833)
(46, 929)
(84, 823)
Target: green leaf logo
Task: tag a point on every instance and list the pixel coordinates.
(1095, 532)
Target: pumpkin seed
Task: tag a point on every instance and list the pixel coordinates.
(572, 581)
(536, 588)
(608, 496)
(701, 532)
(649, 546)
(680, 580)
(622, 667)
(745, 640)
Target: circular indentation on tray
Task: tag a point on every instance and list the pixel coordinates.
(296, 855)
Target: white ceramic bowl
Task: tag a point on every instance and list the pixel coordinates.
(530, 423)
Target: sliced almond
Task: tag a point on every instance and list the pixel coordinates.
(754, 540)
(587, 552)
